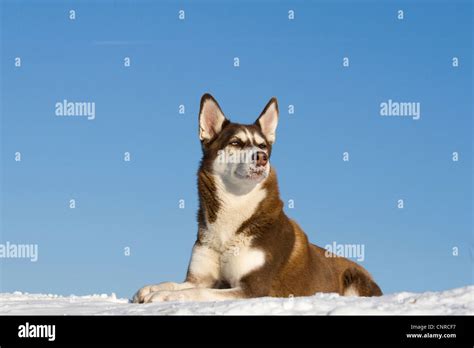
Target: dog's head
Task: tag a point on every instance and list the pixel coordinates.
(239, 154)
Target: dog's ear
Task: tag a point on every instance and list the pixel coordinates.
(268, 120)
(211, 118)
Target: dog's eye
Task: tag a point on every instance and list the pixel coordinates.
(234, 143)
(262, 146)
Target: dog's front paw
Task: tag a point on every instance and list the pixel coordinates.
(163, 296)
(160, 296)
(140, 295)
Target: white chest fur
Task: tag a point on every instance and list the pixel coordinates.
(224, 254)
(236, 263)
(233, 211)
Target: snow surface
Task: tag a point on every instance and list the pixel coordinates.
(450, 302)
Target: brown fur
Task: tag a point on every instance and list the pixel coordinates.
(292, 266)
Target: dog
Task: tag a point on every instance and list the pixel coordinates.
(246, 246)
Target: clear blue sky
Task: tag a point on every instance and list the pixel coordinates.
(174, 62)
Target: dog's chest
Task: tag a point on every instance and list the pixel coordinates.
(221, 234)
(236, 256)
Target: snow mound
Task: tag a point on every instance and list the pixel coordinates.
(451, 302)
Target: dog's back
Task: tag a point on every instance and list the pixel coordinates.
(302, 268)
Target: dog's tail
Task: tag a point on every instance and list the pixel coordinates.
(357, 283)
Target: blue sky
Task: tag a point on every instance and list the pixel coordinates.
(135, 204)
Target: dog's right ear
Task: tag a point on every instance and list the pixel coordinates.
(211, 118)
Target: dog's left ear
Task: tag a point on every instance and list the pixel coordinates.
(268, 120)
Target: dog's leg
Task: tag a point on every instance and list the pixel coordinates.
(202, 273)
(355, 282)
(197, 294)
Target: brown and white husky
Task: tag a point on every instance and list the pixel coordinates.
(246, 246)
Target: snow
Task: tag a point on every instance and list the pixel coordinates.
(451, 302)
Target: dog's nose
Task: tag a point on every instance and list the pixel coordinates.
(261, 158)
